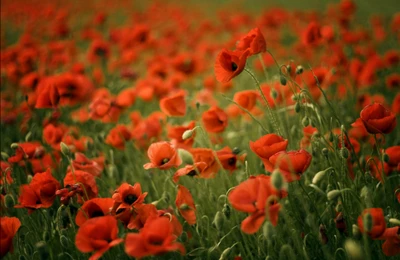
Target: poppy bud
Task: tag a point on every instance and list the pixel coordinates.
(325, 152)
(64, 241)
(236, 150)
(185, 156)
(297, 107)
(319, 175)
(226, 210)
(368, 222)
(274, 94)
(28, 136)
(184, 237)
(268, 230)
(322, 234)
(288, 68)
(278, 181)
(299, 70)
(333, 194)
(41, 246)
(306, 121)
(9, 201)
(283, 80)
(366, 195)
(353, 249)
(65, 149)
(355, 230)
(344, 152)
(184, 206)
(197, 105)
(29, 178)
(46, 235)
(187, 134)
(386, 157)
(4, 156)
(14, 146)
(218, 221)
(394, 221)
(286, 252)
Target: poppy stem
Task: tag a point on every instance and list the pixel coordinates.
(263, 66)
(274, 122)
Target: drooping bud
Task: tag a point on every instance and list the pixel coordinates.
(297, 107)
(4, 156)
(333, 194)
(299, 70)
(353, 249)
(226, 210)
(14, 146)
(306, 121)
(188, 134)
(394, 221)
(268, 230)
(283, 80)
(218, 221)
(65, 149)
(320, 175)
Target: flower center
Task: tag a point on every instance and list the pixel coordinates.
(234, 66)
(130, 199)
(164, 161)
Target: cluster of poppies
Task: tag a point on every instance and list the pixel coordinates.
(82, 103)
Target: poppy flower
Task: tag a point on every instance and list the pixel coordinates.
(40, 193)
(246, 99)
(229, 64)
(86, 181)
(105, 109)
(140, 215)
(378, 225)
(27, 151)
(8, 227)
(394, 156)
(174, 105)
(118, 136)
(215, 120)
(126, 98)
(228, 159)
(92, 166)
(254, 42)
(185, 204)
(98, 50)
(377, 119)
(97, 235)
(266, 146)
(155, 238)
(191, 170)
(312, 35)
(391, 246)
(175, 133)
(53, 135)
(291, 164)
(5, 176)
(92, 208)
(163, 156)
(206, 156)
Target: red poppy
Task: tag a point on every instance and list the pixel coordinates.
(27, 151)
(191, 170)
(229, 64)
(312, 36)
(53, 135)
(97, 235)
(394, 157)
(393, 81)
(377, 119)
(118, 136)
(246, 99)
(40, 193)
(126, 98)
(391, 247)
(174, 105)
(92, 208)
(85, 180)
(155, 238)
(266, 146)
(378, 225)
(254, 42)
(93, 166)
(291, 164)
(215, 120)
(98, 50)
(206, 156)
(228, 159)
(5, 176)
(141, 214)
(185, 204)
(105, 109)
(176, 132)
(163, 156)
(8, 227)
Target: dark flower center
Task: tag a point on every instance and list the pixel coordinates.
(232, 161)
(234, 66)
(157, 242)
(164, 161)
(192, 173)
(97, 213)
(130, 199)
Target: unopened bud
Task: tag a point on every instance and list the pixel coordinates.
(344, 152)
(236, 150)
(4, 156)
(277, 180)
(353, 249)
(9, 201)
(218, 221)
(299, 70)
(42, 248)
(65, 149)
(274, 94)
(268, 230)
(226, 211)
(184, 206)
(386, 157)
(333, 194)
(28, 136)
(14, 146)
(306, 121)
(325, 151)
(331, 137)
(185, 156)
(297, 107)
(187, 134)
(394, 221)
(355, 230)
(288, 68)
(320, 175)
(283, 80)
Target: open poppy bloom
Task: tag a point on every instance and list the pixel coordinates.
(118, 136)
(191, 170)
(92, 166)
(228, 159)
(176, 132)
(86, 183)
(229, 64)
(266, 146)
(215, 120)
(27, 150)
(141, 213)
(377, 119)
(155, 238)
(378, 225)
(391, 246)
(254, 42)
(257, 197)
(185, 203)
(8, 227)
(40, 193)
(97, 235)
(163, 156)
(246, 99)
(174, 105)
(206, 156)
(291, 164)
(92, 208)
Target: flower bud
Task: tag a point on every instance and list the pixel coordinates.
(218, 221)
(286, 252)
(4, 156)
(28, 136)
(14, 146)
(184, 206)
(297, 107)
(386, 157)
(268, 230)
(283, 80)
(236, 150)
(299, 70)
(353, 249)
(394, 221)
(187, 134)
(185, 156)
(306, 121)
(65, 149)
(325, 152)
(9, 201)
(226, 210)
(333, 194)
(277, 180)
(356, 230)
(320, 175)
(344, 152)
(42, 248)
(274, 94)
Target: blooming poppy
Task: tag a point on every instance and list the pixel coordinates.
(191, 170)
(27, 151)
(266, 146)
(8, 227)
(92, 166)
(215, 120)
(378, 224)
(92, 208)
(185, 204)
(53, 135)
(206, 156)
(174, 105)
(86, 181)
(391, 246)
(246, 99)
(377, 119)
(39, 193)
(155, 238)
(176, 132)
(118, 136)
(140, 214)
(254, 42)
(97, 235)
(105, 109)
(228, 159)
(291, 164)
(163, 156)
(312, 35)
(229, 64)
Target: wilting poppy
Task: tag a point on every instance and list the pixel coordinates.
(215, 120)
(174, 105)
(97, 235)
(377, 119)
(266, 146)
(8, 227)
(378, 224)
(86, 181)
(291, 164)
(229, 64)
(118, 136)
(254, 42)
(155, 238)
(185, 204)
(162, 155)
(96, 207)
(40, 193)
